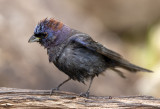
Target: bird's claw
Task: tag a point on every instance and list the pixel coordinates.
(85, 94)
(53, 89)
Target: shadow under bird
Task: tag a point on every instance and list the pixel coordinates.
(77, 54)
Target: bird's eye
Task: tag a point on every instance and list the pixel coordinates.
(41, 35)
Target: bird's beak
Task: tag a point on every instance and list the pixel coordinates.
(33, 39)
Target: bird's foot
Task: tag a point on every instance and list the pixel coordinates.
(53, 89)
(85, 94)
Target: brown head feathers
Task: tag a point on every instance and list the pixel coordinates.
(51, 23)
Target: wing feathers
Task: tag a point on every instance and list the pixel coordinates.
(95, 46)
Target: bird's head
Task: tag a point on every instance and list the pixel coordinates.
(48, 31)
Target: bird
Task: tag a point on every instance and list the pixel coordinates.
(76, 54)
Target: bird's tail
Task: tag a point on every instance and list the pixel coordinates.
(131, 67)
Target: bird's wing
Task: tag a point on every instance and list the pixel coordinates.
(88, 42)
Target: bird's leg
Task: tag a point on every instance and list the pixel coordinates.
(57, 88)
(87, 92)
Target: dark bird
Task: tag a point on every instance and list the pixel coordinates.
(77, 54)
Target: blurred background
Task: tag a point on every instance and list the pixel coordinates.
(131, 28)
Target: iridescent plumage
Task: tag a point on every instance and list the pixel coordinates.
(77, 54)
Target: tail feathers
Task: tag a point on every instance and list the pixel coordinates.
(118, 72)
(122, 63)
(133, 68)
